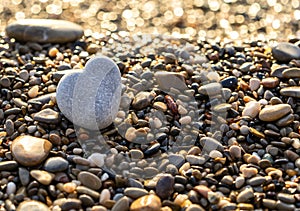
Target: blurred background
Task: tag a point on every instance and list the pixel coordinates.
(207, 19)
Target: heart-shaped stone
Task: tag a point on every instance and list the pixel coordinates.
(90, 98)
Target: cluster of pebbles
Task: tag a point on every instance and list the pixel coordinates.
(228, 137)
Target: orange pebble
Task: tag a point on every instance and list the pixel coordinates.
(52, 52)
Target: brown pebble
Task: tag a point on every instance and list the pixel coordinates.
(146, 203)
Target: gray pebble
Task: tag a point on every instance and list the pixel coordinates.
(56, 164)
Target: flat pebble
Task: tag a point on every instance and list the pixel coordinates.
(293, 91)
(47, 116)
(210, 144)
(271, 82)
(285, 52)
(258, 180)
(89, 180)
(254, 84)
(56, 164)
(287, 198)
(44, 30)
(11, 188)
(97, 159)
(142, 100)
(29, 150)
(8, 165)
(42, 177)
(135, 193)
(274, 112)
(146, 203)
(293, 72)
(121, 204)
(235, 151)
(167, 80)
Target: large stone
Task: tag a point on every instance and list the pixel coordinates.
(274, 112)
(44, 31)
(32, 205)
(292, 91)
(29, 150)
(285, 52)
(91, 98)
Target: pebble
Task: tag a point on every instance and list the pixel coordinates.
(254, 84)
(249, 172)
(210, 89)
(8, 165)
(274, 112)
(97, 159)
(121, 204)
(29, 150)
(230, 82)
(245, 195)
(271, 82)
(9, 127)
(70, 204)
(293, 72)
(47, 116)
(146, 203)
(215, 154)
(287, 198)
(210, 144)
(285, 121)
(56, 164)
(203, 190)
(88, 191)
(42, 177)
(285, 52)
(69, 187)
(142, 100)
(33, 91)
(134, 192)
(258, 180)
(160, 106)
(251, 109)
(185, 120)
(165, 186)
(239, 182)
(195, 207)
(11, 188)
(86, 200)
(102, 80)
(284, 206)
(167, 80)
(32, 205)
(177, 160)
(89, 180)
(24, 176)
(235, 152)
(44, 30)
(293, 91)
(269, 203)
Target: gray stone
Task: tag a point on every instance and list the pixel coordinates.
(292, 91)
(121, 204)
(9, 126)
(47, 116)
(258, 180)
(274, 112)
(56, 164)
(135, 193)
(165, 186)
(293, 72)
(285, 52)
(245, 195)
(142, 100)
(210, 144)
(71, 204)
(44, 31)
(210, 89)
(89, 180)
(177, 160)
(91, 98)
(167, 80)
(24, 176)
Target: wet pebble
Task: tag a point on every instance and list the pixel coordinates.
(42, 177)
(47, 116)
(56, 164)
(90, 180)
(147, 203)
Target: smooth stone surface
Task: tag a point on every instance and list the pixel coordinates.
(285, 52)
(56, 164)
(230, 82)
(285, 121)
(167, 80)
(245, 195)
(42, 177)
(270, 82)
(274, 112)
(251, 109)
(164, 186)
(89, 180)
(210, 144)
(293, 72)
(146, 203)
(47, 116)
(32, 205)
(135, 193)
(97, 89)
(29, 150)
(210, 89)
(254, 84)
(44, 31)
(24, 176)
(195, 207)
(121, 204)
(293, 91)
(8, 165)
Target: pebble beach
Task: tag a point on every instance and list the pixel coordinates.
(198, 108)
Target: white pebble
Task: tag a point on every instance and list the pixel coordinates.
(215, 154)
(185, 120)
(11, 188)
(97, 159)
